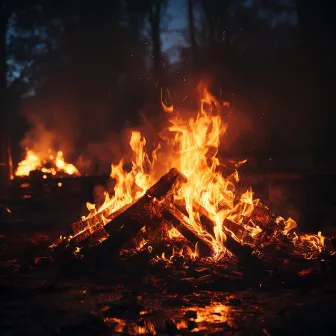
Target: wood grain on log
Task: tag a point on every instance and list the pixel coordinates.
(141, 213)
(84, 228)
(244, 253)
(177, 218)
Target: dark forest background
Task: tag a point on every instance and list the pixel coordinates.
(78, 72)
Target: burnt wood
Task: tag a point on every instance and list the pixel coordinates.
(145, 211)
(244, 253)
(177, 218)
(83, 229)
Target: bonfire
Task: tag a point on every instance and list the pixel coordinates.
(195, 204)
(51, 165)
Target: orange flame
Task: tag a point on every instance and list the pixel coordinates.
(130, 186)
(192, 148)
(30, 163)
(33, 162)
(61, 165)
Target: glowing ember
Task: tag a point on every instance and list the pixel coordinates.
(191, 146)
(52, 165)
(193, 255)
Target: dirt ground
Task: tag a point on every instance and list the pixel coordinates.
(129, 299)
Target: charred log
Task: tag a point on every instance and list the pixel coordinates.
(245, 253)
(177, 218)
(83, 229)
(263, 217)
(201, 213)
(239, 231)
(145, 211)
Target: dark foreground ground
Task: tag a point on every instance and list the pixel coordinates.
(127, 298)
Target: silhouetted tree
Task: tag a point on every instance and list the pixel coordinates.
(155, 11)
(318, 28)
(4, 18)
(191, 28)
(7, 9)
(97, 77)
(217, 17)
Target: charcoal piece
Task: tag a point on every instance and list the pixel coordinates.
(171, 327)
(263, 217)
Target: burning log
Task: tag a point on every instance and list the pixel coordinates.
(145, 208)
(83, 229)
(144, 211)
(263, 217)
(94, 239)
(206, 222)
(177, 219)
(237, 229)
(245, 253)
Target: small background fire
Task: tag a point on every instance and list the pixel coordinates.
(52, 165)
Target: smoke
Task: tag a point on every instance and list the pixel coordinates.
(247, 126)
(245, 133)
(93, 137)
(97, 156)
(42, 140)
(81, 132)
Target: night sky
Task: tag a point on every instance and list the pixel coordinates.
(174, 29)
(174, 24)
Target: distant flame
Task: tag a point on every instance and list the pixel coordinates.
(31, 162)
(34, 162)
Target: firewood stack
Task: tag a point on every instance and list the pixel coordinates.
(107, 232)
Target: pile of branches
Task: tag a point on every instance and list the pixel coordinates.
(140, 229)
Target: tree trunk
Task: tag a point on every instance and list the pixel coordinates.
(191, 25)
(208, 11)
(318, 27)
(155, 22)
(4, 162)
(216, 14)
